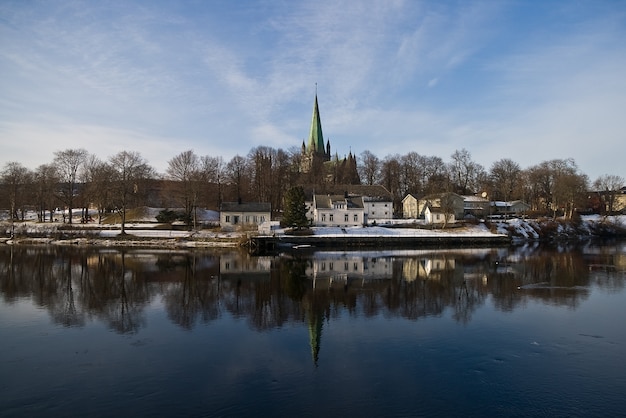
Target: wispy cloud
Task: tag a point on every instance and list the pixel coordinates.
(502, 80)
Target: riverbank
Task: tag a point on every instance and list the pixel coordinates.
(158, 235)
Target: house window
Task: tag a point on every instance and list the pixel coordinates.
(345, 217)
(227, 218)
(345, 266)
(356, 218)
(323, 266)
(330, 266)
(323, 217)
(330, 217)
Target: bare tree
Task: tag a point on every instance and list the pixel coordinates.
(557, 185)
(410, 180)
(16, 180)
(609, 186)
(369, 168)
(390, 175)
(466, 174)
(261, 167)
(98, 176)
(184, 170)
(46, 179)
(129, 171)
(236, 171)
(505, 177)
(67, 163)
(212, 169)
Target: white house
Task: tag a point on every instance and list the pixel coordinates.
(338, 210)
(409, 207)
(435, 215)
(235, 214)
(377, 201)
(448, 202)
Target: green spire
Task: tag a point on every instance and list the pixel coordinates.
(316, 138)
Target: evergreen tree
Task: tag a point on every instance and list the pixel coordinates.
(295, 208)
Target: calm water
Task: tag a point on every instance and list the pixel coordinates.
(530, 331)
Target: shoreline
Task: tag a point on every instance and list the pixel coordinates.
(152, 235)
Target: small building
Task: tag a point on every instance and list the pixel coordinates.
(434, 215)
(449, 202)
(409, 207)
(476, 206)
(237, 214)
(338, 210)
(512, 208)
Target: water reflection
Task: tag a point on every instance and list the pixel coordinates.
(78, 285)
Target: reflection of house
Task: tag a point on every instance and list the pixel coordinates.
(233, 214)
(377, 201)
(338, 210)
(244, 265)
(342, 269)
(426, 268)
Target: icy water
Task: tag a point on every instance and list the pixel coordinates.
(530, 331)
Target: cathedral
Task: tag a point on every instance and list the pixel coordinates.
(317, 166)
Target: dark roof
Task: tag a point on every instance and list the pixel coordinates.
(245, 207)
(326, 201)
(375, 192)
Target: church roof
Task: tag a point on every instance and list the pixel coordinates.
(316, 138)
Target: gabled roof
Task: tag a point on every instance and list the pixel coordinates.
(246, 207)
(323, 201)
(408, 196)
(435, 196)
(375, 192)
(473, 198)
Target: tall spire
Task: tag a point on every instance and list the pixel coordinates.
(316, 138)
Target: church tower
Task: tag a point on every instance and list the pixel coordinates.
(314, 152)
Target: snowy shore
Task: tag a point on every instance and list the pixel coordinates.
(145, 234)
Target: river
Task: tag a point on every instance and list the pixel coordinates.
(521, 331)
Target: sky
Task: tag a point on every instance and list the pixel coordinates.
(526, 80)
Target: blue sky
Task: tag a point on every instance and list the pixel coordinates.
(526, 80)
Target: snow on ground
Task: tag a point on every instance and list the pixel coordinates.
(473, 230)
(146, 227)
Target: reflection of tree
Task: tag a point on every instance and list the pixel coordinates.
(124, 313)
(197, 296)
(63, 309)
(75, 284)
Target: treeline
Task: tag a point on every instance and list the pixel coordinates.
(77, 179)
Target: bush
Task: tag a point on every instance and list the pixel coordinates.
(167, 216)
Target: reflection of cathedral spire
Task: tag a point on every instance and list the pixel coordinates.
(316, 321)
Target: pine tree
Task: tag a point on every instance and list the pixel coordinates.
(295, 208)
